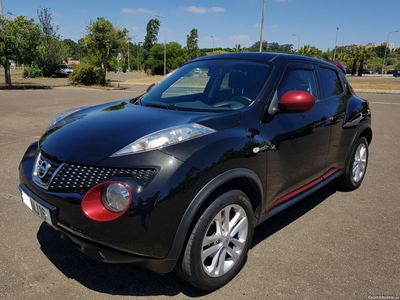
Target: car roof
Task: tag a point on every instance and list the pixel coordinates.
(263, 56)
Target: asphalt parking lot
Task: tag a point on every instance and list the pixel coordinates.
(332, 245)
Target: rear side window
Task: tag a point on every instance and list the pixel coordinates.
(331, 84)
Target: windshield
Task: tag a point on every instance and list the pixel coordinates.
(212, 85)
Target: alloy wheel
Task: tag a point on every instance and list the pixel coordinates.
(224, 241)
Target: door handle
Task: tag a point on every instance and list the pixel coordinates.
(325, 121)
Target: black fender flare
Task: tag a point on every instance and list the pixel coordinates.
(200, 198)
(365, 126)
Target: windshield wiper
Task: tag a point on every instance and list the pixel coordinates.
(136, 100)
(161, 106)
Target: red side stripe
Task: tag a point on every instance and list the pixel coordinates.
(305, 187)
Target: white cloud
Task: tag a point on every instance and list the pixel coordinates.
(217, 9)
(274, 26)
(239, 37)
(137, 11)
(194, 9)
(202, 10)
(256, 25)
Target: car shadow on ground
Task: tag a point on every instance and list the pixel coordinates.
(290, 214)
(130, 280)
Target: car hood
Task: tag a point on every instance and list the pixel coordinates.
(93, 134)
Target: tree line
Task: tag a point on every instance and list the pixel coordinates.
(39, 47)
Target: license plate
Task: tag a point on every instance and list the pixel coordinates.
(38, 209)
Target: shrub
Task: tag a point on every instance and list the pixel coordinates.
(87, 75)
(32, 72)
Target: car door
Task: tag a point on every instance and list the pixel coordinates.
(335, 94)
(297, 142)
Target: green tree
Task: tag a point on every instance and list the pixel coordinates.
(51, 50)
(104, 41)
(192, 46)
(380, 51)
(151, 34)
(82, 48)
(364, 54)
(310, 51)
(18, 41)
(72, 48)
(353, 57)
(176, 56)
(256, 46)
(238, 48)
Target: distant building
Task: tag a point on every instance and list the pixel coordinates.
(389, 45)
(352, 47)
(372, 45)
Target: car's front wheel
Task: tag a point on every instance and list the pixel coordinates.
(218, 244)
(356, 166)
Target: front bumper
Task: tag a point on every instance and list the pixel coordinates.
(145, 233)
(109, 255)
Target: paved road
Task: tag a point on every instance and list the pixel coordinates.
(332, 245)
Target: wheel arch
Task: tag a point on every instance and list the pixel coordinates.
(364, 131)
(241, 179)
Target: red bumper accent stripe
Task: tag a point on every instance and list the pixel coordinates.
(305, 187)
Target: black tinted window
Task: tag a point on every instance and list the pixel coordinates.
(300, 80)
(331, 84)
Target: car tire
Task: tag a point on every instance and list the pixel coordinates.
(216, 250)
(356, 166)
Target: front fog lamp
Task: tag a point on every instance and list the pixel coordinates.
(115, 197)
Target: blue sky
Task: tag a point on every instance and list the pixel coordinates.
(230, 22)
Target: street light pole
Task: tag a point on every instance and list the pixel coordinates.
(138, 55)
(213, 43)
(384, 58)
(165, 43)
(342, 44)
(298, 43)
(1, 10)
(334, 51)
(262, 27)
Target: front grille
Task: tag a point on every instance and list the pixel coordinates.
(51, 168)
(77, 177)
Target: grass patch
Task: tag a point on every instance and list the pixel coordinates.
(375, 85)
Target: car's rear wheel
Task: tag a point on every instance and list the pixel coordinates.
(218, 244)
(356, 166)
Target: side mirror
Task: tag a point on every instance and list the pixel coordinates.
(296, 101)
(149, 88)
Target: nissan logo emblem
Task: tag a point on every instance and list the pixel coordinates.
(42, 168)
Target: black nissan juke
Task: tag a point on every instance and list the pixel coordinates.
(178, 177)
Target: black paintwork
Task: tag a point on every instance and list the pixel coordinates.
(293, 150)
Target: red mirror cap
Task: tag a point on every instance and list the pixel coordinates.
(296, 101)
(150, 87)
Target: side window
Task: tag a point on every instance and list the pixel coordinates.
(331, 84)
(300, 80)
